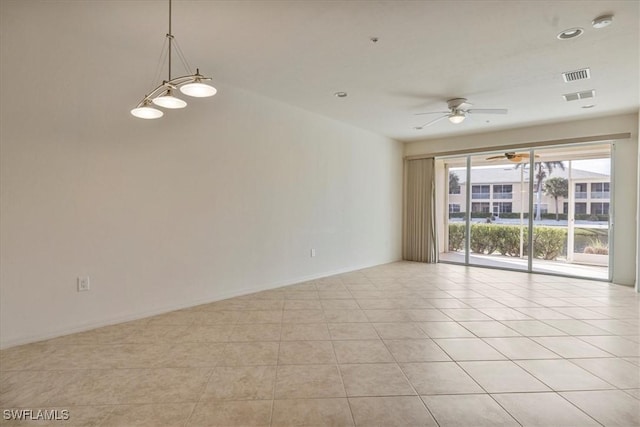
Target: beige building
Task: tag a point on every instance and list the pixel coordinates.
(505, 190)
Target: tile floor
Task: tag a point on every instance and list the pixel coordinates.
(401, 344)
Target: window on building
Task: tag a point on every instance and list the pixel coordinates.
(480, 191)
(503, 191)
(502, 207)
(598, 208)
(581, 208)
(600, 190)
(454, 208)
(483, 207)
(565, 208)
(581, 190)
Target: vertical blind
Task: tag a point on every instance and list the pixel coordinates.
(419, 238)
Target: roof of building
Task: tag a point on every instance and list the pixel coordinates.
(496, 175)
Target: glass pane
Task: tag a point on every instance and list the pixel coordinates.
(453, 250)
(571, 228)
(499, 206)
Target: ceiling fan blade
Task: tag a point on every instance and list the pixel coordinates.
(488, 111)
(432, 112)
(431, 122)
(496, 157)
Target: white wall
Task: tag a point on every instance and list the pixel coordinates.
(225, 197)
(625, 160)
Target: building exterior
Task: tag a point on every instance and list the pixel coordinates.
(500, 190)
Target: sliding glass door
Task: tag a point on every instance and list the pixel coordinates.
(543, 210)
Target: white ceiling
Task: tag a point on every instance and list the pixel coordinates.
(498, 54)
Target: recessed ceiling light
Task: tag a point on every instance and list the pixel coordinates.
(571, 33)
(589, 106)
(340, 94)
(374, 39)
(602, 21)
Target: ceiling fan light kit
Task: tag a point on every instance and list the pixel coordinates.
(162, 95)
(458, 111)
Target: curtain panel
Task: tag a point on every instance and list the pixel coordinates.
(419, 232)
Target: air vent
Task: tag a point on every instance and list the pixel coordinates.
(572, 76)
(579, 95)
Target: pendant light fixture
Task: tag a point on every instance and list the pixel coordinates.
(163, 95)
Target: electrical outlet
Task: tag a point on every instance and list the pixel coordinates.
(83, 284)
(313, 253)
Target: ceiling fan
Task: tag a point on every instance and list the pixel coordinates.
(458, 110)
(512, 156)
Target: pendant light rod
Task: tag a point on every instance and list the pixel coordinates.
(162, 95)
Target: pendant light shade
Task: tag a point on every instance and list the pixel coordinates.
(146, 112)
(169, 101)
(198, 90)
(162, 96)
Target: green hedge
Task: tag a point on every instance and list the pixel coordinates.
(548, 242)
(587, 217)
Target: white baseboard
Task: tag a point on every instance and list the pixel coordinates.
(143, 314)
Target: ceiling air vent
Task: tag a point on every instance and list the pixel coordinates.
(572, 76)
(579, 95)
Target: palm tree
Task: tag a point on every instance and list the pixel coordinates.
(541, 169)
(556, 187)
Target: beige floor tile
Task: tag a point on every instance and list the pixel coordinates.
(368, 351)
(468, 349)
(610, 408)
(399, 331)
(352, 331)
(533, 328)
(154, 415)
(446, 303)
(31, 388)
(216, 317)
(428, 315)
(249, 354)
(445, 330)
(635, 392)
(303, 316)
(465, 314)
(312, 412)
(489, 329)
(388, 315)
(308, 381)
(340, 304)
(301, 294)
(27, 357)
(241, 383)
(305, 332)
(306, 353)
(502, 377)
(248, 413)
(260, 316)
(576, 327)
(440, 378)
(571, 347)
(477, 410)
(520, 348)
(334, 294)
(172, 318)
(256, 332)
(205, 333)
(504, 313)
(106, 335)
(163, 385)
(303, 304)
(185, 355)
(376, 379)
(390, 411)
(345, 316)
(562, 375)
(616, 371)
(543, 409)
(424, 350)
(95, 387)
(618, 346)
(156, 334)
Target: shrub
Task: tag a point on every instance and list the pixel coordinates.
(456, 237)
(596, 246)
(548, 242)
